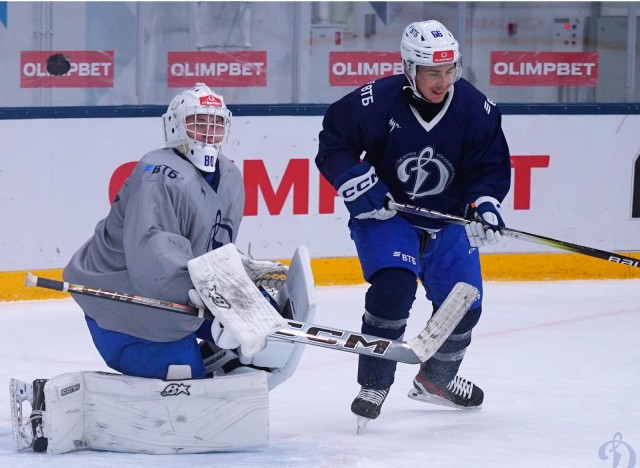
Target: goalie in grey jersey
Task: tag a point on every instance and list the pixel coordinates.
(179, 203)
(176, 215)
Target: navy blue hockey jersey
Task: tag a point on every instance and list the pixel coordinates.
(444, 164)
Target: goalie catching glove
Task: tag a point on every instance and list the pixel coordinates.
(364, 194)
(486, 230)
(265, 273)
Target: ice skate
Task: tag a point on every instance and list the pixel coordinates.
(20, 392)
(367, 405)
(29, 433)
(458, 393)
(40, 442)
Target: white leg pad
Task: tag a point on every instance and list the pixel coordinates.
(297, 295)
(296, 299)
(101, 411)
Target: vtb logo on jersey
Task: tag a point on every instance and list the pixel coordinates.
(425, 174)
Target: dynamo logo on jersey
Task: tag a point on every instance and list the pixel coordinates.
(221, 233)
(425, 174)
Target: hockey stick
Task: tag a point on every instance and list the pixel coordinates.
(538, 239)
(415, 351)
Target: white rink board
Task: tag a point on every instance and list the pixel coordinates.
(54, 180)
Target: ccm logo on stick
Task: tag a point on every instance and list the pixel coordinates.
(376, 346)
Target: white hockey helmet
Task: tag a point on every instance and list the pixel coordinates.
(430, 44)
(200, 143)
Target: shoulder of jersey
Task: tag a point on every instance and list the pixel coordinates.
(389, 84)
(166, 165)
(473, 99)
(227, 165)
(379, 93)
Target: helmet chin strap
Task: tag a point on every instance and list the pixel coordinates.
(414, 91)
(418, 95)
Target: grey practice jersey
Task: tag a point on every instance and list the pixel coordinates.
(165, 214)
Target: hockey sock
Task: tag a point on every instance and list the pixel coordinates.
(387, 305)
(444, 365)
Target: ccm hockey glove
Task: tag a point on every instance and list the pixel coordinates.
(364, 194)
(486, 230)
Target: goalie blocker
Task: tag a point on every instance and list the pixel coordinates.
(105, 411)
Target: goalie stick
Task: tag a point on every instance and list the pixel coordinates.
(538, 239)
(414, 351)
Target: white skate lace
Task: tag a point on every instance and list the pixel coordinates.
(461, 387)
(374, 396)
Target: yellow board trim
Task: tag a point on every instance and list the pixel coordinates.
(12, 286)
(345, 271)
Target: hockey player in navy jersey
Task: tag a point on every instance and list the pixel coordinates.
(427, 138)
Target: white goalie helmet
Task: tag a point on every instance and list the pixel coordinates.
(430, 44)
(197, 124)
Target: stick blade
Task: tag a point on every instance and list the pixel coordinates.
(440, 326)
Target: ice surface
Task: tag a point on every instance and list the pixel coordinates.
(559, 363)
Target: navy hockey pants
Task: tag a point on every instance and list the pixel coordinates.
(393, 254)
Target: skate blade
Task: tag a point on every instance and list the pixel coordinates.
(436, 400)
(362, 424)
(19, 392)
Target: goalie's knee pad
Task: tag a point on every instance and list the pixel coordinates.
(179, 372)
